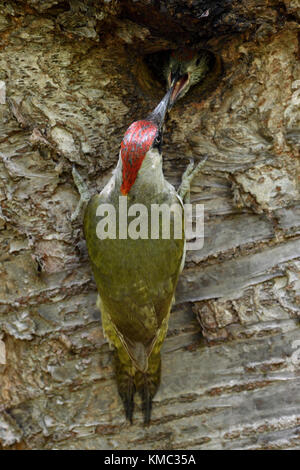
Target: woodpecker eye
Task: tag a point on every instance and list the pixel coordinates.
(157, 141)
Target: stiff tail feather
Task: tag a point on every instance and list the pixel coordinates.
(147, 385)
(126, 385)
(130, 380)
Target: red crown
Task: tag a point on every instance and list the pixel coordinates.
(135, 144)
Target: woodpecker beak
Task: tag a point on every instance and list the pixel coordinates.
(159, 114)
(177, 83)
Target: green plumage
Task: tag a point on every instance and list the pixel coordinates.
(136, 280)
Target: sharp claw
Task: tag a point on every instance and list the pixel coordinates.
(188, 176)
(83, 191)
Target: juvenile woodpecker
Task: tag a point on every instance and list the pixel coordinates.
(186, 67)
(136, 278)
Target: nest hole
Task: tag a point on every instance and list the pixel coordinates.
(149, 71)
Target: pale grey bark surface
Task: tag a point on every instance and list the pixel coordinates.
(71, 81)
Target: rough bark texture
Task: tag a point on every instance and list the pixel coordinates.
(71, 81)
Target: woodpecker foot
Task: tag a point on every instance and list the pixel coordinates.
(84, 194)
(187, 178)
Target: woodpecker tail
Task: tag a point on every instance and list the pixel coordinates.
(129, 380)
(126, 385)
(147, 384)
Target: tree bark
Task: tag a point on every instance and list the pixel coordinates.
(73, 76)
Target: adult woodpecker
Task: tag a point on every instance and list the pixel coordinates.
(186, 68)
(136, 278)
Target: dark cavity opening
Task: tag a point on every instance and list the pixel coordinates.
(151, 76)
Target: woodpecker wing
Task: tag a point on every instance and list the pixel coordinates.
(136, 280)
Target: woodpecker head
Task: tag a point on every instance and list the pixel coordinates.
(140, 138)
(185, 68)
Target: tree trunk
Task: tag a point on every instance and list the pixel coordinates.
(73, 76)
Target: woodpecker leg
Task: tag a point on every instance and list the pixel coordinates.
(83, 191)
(147, 385)
(187, 178)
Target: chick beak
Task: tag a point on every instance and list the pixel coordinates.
(178, 82)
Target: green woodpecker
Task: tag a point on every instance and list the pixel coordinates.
(186, 67)
(136, 277)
